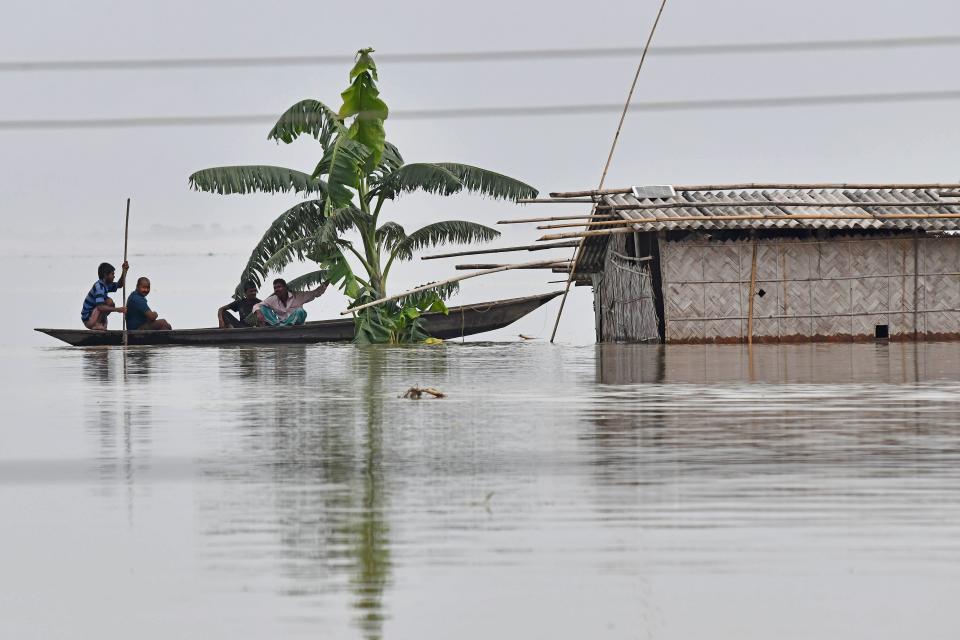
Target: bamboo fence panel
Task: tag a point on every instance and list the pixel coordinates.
(822, 289)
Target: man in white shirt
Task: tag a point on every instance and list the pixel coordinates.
(285, 308)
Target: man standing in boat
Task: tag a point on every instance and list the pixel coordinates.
(139, 315)
(242, 307)
(97, 305)
(285, 308)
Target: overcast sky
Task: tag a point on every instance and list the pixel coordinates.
(63, 190)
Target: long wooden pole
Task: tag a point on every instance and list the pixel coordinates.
(525, 265)
(753, 293)
(686, 204)
(628, 227)
(764, 185)
(585, 216)
(475, 252)
(126, 237)
(591, 192)
(606, 166)
(474, 267)
(623, 222)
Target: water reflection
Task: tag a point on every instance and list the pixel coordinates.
(120, 418)
(822, 439)
(889, 363)
(309, 483)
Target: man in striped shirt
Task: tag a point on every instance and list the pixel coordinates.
(96, 306)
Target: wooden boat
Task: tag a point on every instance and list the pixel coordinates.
(466, 320)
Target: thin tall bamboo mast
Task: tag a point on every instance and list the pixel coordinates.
(524, 265)
(126, 236)
(606, 166)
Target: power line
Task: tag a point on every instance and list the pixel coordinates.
(481, 56)
(501, 112)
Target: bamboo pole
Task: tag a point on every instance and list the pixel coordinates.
(606, 167)
(553, 200)
(592, 192)
(753, 293)
(433, 285)
(739, 186)
(126, 236)
(799, 216)
(474, 267)
(627, 227)
(689, 204)
(550, 218)
(475, 252)
(816, 185)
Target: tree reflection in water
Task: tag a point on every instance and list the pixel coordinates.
(323, 436)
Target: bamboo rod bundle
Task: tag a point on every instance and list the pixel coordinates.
(739, 186)
(433, 285)
(549, 218)
(553, 200)
(526, 247)
(474, 267)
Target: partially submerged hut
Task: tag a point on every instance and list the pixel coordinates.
(721, 264)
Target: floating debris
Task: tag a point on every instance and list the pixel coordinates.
(415, 393)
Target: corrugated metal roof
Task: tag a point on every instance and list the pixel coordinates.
(704, 205)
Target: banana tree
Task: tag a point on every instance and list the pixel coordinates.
(340, 225)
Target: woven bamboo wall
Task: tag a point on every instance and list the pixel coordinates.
(837, 289)
(623, 297)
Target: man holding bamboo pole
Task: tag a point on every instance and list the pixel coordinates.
(97, 305)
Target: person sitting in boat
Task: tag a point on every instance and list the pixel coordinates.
(97, 305)
(285, 308)
(139, 315)
(242, 307)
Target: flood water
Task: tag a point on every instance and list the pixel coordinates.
(801, 491)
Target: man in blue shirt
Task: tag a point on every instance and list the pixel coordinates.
(139, 315)
(96, 306)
